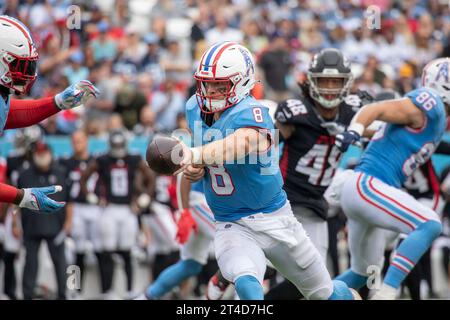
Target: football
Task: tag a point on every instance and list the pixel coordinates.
(164, 154)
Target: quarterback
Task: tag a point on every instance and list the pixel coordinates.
(254, 219)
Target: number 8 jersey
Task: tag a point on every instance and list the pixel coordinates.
(251, 185)
(395, 151)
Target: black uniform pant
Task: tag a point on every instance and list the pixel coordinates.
(30, 271)
(10, 275)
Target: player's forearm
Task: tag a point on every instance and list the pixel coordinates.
(24, 113)
(10, 194)
(183, 190)
(234, 147)
(364, 118)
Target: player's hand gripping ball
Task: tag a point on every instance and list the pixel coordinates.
(164, 155)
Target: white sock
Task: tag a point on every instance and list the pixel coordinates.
(387, 292)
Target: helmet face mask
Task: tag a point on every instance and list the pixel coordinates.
(214, 95)
(22, 72)
(224, 77)
(117, 144)
(327, 66)
(328, 97)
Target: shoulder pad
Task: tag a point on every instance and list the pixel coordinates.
(288, 110)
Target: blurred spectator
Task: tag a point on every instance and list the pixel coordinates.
(115, 123)
(405, 81)
(373, 65)
(176, 62)
(166, 105)
(222, 31)
(103, 47)
(311, 38)
(76, 71)
(52, 228)
(50, 126)
(135, 49)
(358, 45)
(254, 38)
(276, 64)
(151, 61)
(367, 82)
(146, 125)
(129, 102)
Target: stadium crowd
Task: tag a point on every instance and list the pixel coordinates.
(141, 55)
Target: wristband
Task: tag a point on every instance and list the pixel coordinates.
(356, 127)
(196, 155)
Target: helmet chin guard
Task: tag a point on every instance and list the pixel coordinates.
(329, 63)
(229, 64)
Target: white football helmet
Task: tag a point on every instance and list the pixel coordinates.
(232, 65)
(436, 75)
(18, 55)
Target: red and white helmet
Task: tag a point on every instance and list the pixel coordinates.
(436, 75)
(18, 55)
(230, 63)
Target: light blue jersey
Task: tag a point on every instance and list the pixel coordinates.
(239, 189)
(395, 151)
(4, 109)
(197, 186)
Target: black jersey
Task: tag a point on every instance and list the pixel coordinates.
(117, 175)
(310, 158)
(14, 164)
(74, 168)
(424, 183)
(162, 189)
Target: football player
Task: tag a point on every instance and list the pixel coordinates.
(424, 186)
(371, 196)
(195, 234)
(158, 223)
(254, 219)
(85, 215)
(18, 71)
(308, 126)
(117, 173)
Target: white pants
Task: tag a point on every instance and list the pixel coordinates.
(86, 225)
(243, 245)
(11, 243)
(118, 227)
(198, 245)
(372, 207)
(163, 229)
(316, 228)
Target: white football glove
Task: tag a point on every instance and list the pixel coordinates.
(76, 95)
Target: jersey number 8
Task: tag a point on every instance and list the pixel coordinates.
(221, 181)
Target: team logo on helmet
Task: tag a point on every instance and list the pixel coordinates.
(248, 62)
(443, 71)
